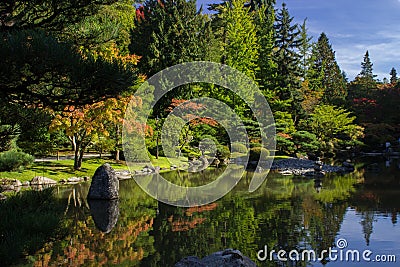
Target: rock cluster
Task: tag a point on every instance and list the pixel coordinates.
(305, 167)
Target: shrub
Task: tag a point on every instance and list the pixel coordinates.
(223, 152)
(255, 153)
(13, 160)
(238, 147)
(306, 142)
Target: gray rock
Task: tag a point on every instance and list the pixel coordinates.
(26, 183)
(225, 258)
(191, 261)
(74, 180)
(7, 187)
(104, 213)
(41, 180)
(348, 166)
(17, 183)
(105, 184)
(123, 174)
(2, 197)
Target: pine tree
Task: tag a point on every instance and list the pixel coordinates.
(49, 15)
(267, 67)
(333, 83)
(367, 68)
(393, 76)
(365, 82)
(241, 47)
(288, 80)
(305, 49)
(167, 33)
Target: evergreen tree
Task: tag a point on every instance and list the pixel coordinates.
(51, 15)
(333, 83)
(367, 68)
(241, 47)
(267, 67)
(393, 76)
(37, 69)
(364, 84)
(288, 80)
(167, 33)
(305, 49)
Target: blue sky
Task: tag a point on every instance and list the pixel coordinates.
(353, 26)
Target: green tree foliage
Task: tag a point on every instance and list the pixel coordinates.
(267, 67)
(167, 33)
(52, 15)
(325, 67)
(14, 160)
(367, 68)
(393, 76)
(305, 142)
(334, 127)
(241, 47)
(364, 85)
(305, 49)
(284, 128)
(38, 69)
(107, 29)
(287, 59)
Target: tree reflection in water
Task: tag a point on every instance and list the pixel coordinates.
(285, 213)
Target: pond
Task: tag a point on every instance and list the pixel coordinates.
(358, 211)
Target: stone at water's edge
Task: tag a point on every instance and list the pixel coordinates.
(226, 258)
(40, 180)
(105, 184)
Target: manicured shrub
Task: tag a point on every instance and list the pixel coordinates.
(238, 147)
(255, 153)
(13, 160)
(223, 152)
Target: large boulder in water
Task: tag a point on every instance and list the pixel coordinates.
(105, 184)
(225, 258)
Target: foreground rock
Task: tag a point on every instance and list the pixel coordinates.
(226, 258)
(41, 180)
(105, 184)
(305, 167)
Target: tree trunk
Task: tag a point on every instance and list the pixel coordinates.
(77, 164)
(117, 155)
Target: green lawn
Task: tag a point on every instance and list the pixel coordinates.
(63, 169)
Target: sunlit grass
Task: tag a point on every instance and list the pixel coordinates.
(64, 169)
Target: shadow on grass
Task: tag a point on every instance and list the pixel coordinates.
(27, 221)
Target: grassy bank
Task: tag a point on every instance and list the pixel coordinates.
(64, 169)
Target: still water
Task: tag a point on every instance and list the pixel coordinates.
(359, 211)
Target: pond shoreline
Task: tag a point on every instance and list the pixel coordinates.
(306, 167)
(289, 166)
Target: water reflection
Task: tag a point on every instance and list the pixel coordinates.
(104, 213)
(285, 213)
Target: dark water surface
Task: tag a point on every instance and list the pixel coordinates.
(360, 210)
